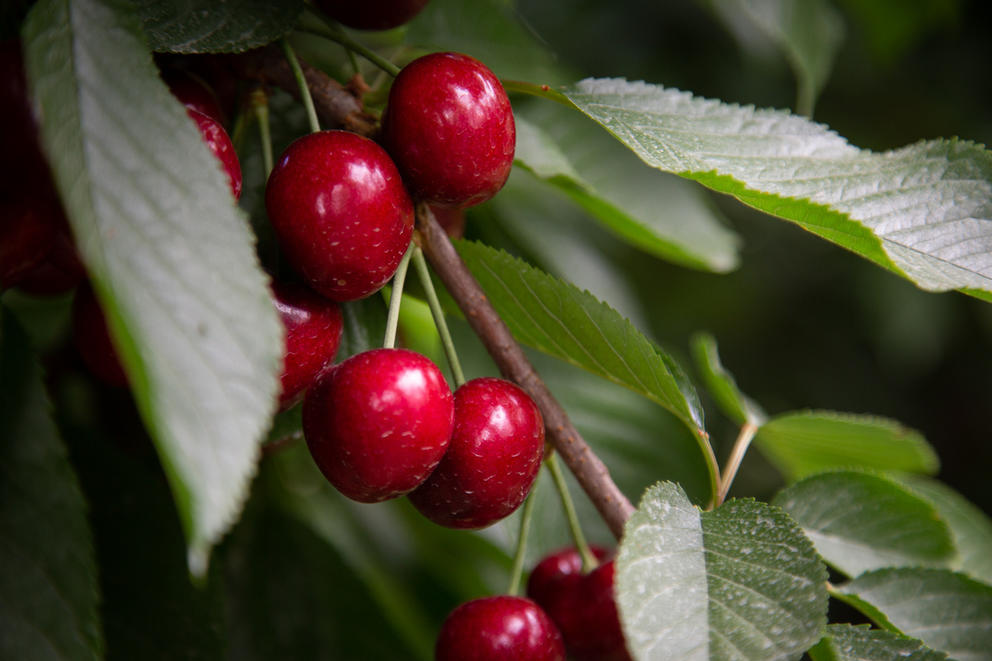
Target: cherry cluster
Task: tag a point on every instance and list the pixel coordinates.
(383, 423)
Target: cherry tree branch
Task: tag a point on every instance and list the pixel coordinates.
(589, 470)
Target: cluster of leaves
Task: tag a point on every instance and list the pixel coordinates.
(175, 266)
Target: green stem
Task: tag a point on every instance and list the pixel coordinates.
(260, 102)
(301, 81)
(516, 574)
(439, 322)
(395, 296)
(328, 29)
(542, 91)
(589, 561)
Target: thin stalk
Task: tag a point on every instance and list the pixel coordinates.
(589, 561)
(516, 574)
(543, 91)
(395, 296)
(301, 81)
(439, 321)
(260, 102)
(748, 430)
(331, 30)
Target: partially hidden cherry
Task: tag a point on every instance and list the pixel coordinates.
(377, 15)
(60, 271)
(498, 629)
(449, 126)
(495, 454)
(194, 93)
(378, 423)
(220, 144)
(313, 333)
(27, 233)
(581, 605)
(92, 339)
(341, 213)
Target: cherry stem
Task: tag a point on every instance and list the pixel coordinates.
(260, 103)
(589, 561)
(301, 82)
(438, 313)
(516, 574)
(748, 430)
(329, 29)
(590, 471)
(395, 298)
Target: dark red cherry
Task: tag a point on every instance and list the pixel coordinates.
(494, 456)
(341, 213)
(451, 220)
(378, 423)
(499, 629)
(92, 339)
(449, 127)
(61, 270)
(194, 93)
(582, 606)
(371, 15)
(220, 144)
(27, 232)
(313, 333)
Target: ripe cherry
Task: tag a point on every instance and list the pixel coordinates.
(494, 456)
(92, 339)
(449, 126)
(193, 93)
(60, 271)
(581, 605)
(380, 15)
(220, 144)
(26, 236)
(496, 629)
(313, 333)
(341, 213)
(378, 423)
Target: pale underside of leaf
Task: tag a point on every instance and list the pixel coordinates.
(739, 582)
(924, 211)
(169, 255)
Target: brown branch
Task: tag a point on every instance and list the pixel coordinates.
(337, 106)
(591, 472)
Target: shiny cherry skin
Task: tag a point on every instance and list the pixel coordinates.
(341, 213)
(220, 144)
(498, 629)
(92, 339)
(494, 456)
(581, 605)
(449, 127)
(313, 334)
(378, 423)
(194, 93)
(375, 15)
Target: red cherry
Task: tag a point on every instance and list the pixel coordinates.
(92, 339)
(220, 144)
(27, 233)
(193, 93)
(498, 629)
(313, 333)
(378, 423)
(449, 126)
(342, 215)
(451, 220)
(61, 270)
(378, 15)
(581, 605)
(494, 456)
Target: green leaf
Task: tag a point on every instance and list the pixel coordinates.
(844, 642)
(202, 26)
(651, 210)
(948, 611)
(921, 211)
(489, 31)
(805, 442)
(48, 576)
(970, 527)
(860, 521)
(555, 317)
(739, 582)
(721, 384)
(808, 32)
(171, 258)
